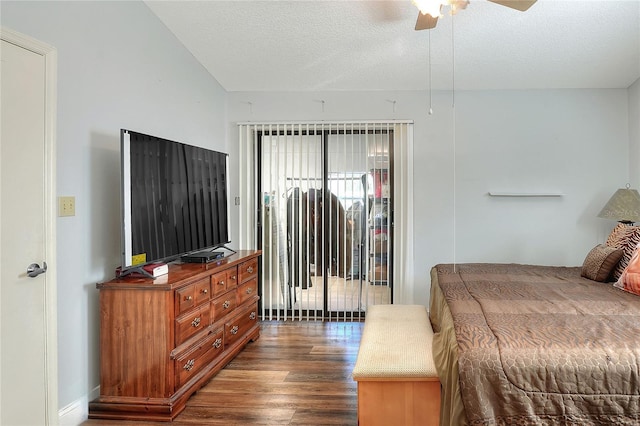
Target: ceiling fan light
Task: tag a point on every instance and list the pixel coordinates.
(429, 7)
(457, 5)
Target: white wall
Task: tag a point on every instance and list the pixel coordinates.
(570, 141)
(634, 133)
(118, 67)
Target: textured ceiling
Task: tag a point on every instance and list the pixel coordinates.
(371, 45)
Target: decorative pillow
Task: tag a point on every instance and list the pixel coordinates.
(630, 278)
(600, 262)
(625, 237)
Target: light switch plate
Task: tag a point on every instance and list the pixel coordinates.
(66, 206)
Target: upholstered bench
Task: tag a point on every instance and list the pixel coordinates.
(397, 379)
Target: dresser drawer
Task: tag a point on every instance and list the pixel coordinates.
(247, 290)
(192, 295)
(235, 328)
(232, 277)
(192, 361)
(222, 305)
(202, 291)
(192, 322)
(248, 269)
(219, 282)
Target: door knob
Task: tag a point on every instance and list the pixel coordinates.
(34, 269)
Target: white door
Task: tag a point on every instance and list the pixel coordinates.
(28, 360)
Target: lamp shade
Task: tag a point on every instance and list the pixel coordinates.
(623, 206)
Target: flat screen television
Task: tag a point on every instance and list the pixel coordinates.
(174, 200)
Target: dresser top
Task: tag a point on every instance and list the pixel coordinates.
(180, 273)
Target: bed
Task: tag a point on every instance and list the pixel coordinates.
(534, 345)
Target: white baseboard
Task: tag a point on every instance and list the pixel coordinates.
(77, 412)
(74, 414)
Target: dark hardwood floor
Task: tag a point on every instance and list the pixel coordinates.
(296, 373)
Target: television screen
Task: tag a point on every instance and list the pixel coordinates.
(174, 199)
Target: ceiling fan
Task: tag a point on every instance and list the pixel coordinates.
(431, 10)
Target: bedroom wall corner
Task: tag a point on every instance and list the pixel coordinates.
(118, 67)
(634, 134)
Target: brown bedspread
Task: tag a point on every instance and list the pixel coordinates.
(538, 345)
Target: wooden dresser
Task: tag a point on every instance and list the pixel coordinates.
(163, 339)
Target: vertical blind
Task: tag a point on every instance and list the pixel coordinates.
(330, 206)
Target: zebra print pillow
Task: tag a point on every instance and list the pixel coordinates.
(625, 237)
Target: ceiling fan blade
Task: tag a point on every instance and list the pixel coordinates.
(520, 5)
(425, 22)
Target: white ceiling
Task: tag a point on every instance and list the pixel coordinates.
(371, 45)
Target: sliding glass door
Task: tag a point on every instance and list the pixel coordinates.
(325, 219)
(323, 208)
(359, 161)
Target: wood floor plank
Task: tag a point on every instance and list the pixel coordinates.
(327, 402)
(252, 375)
(324, 376)
(333, 350)
(234, 400)
(318, 417)
(286, 388)
(220, 414)
(296, 373)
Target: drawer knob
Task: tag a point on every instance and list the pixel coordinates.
(217, 343)
(252, 316)
(220, 282)
(189, 365)
(234, 329)
(233, 278)
(250, 290)
(187, 298)
(226, 304)
(250, 269)
(195, 322)
(204, 291)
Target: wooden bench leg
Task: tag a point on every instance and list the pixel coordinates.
(395, 402)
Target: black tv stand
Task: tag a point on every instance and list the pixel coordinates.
(202, 256)
(206, 256)
(227, 248)
(120, 273)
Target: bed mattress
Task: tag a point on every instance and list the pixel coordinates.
(534, 345)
